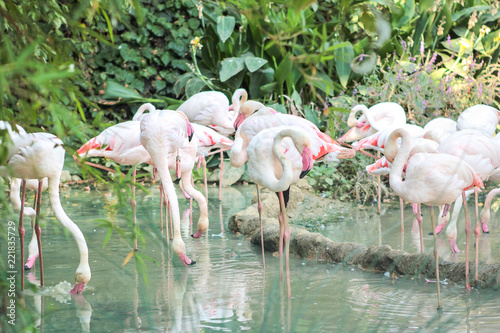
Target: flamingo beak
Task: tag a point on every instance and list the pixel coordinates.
(307, 161)
(237, 122)
(190, 130)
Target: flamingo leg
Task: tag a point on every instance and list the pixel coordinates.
(134, 210)
(21, 230)
(436, 255)
(220, 174)
(259, 208)
(418, 216)
(161, 208)
(467, 240)
(477, 231)
(38, 230)
(286, 236)
(401, 206)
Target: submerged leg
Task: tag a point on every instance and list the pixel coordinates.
(259, 208)
(38, 230)
(21, 230)
(220, 174)
(436, 255)
(467, 240)
(477, 231)
(286, 236)
(134, 209)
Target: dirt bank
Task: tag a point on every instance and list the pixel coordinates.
(379, 258)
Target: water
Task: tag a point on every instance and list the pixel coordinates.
(228, 290)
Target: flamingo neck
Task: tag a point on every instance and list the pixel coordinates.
(396, 175)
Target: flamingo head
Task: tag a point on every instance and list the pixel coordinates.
(239, 119)
(307, 161)
(82, 277)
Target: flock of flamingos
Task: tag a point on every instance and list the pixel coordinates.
(436, 165)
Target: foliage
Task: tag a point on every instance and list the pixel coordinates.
(346, 180)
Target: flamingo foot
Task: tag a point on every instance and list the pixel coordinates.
(185, 260)
(453, 245)
(467, 286)
(78, 288)
(198, 234)
(187, 196)
(484, 226)
(30, 262)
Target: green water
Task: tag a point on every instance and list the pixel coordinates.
(228, 289)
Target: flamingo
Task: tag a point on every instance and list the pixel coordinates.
(208, 140)
(431, 179)
(122, 144)
(483, 118)
(324, 148)
(277, 158)
(374, 119)
(439, 129)
(486, 211)
(15, 186)
(36, 156)
(211, 108)
(163, 133)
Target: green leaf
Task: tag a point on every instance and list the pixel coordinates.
(343, 58)
(194, 86)
(254, 63)
(225, 27)
(230, 67)
(115, 91)
(284, 69)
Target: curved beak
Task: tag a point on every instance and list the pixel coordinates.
(307, 161)
(239, 119)
(190, 130)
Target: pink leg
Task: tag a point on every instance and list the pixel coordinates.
(21, 230)
(477, 231)
(286, 236)
(467, 240)
(38, 230)
(259, 208)
(161, 208)
(436, 256)
(401, 206)
(419, 218)
(220, 174)
(134, 210)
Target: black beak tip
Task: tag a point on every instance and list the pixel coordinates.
(304, 173)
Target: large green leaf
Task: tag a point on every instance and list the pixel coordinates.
(343, 58)
(254, 63)
(225, 27)
(116, 91)
(230, 67)
(284, 69)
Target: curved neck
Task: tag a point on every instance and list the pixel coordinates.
(240, 96)
(489, 198)
(61, 216)
(287, 175)
(396, 175)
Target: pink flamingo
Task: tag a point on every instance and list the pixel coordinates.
(431, 179)
(480, 117)
(122, 144)
(277, 158)
(208, 140)
(163, 133)
(324, 148)
(211, 108)
(485, 214)
(15, 197)
(376, 118)
(36, 156)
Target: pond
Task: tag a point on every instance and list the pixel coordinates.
(229, 290)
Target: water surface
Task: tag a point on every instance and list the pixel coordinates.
(228, 289)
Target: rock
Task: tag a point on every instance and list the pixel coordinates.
(230, 175)
(65, 176)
